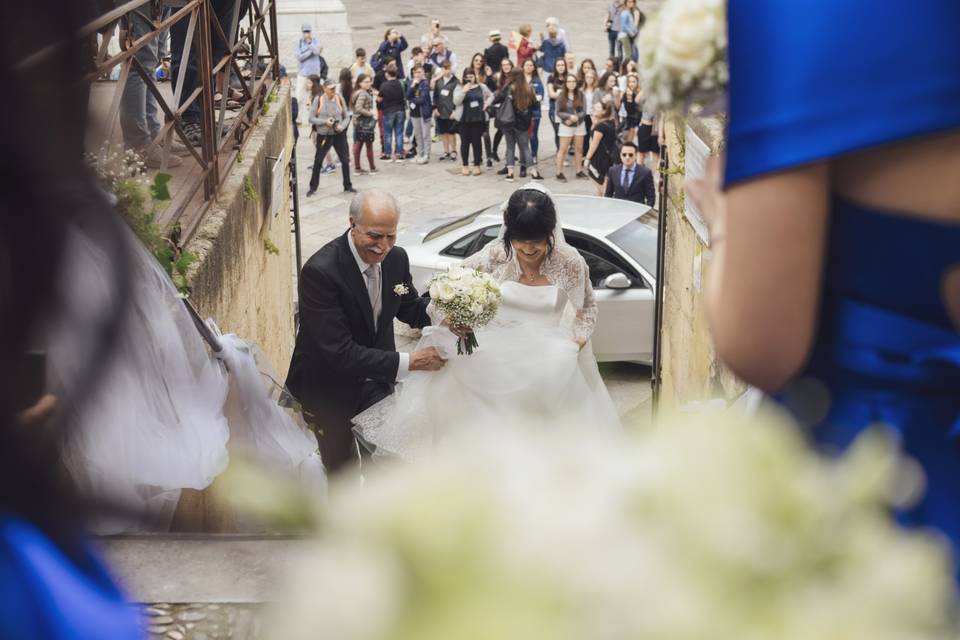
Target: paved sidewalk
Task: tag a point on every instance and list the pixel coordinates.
(437, 190)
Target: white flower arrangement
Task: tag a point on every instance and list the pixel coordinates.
(706, 528)
(683, 55)
(113, 166)
(466, 297)
(401, 289)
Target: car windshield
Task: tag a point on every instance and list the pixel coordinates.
(639, 240)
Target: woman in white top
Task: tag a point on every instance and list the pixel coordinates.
(590, 90)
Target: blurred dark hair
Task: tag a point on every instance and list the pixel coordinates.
(346, 84)
(45, 69)
(523, 96)
(530, 215)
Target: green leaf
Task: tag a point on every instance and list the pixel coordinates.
(186, 259)
(165, 254)
(159, 189)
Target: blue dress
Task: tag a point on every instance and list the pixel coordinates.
(816, 79)
(44, 594)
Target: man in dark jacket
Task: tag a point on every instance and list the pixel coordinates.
(391, 48)
(629, 180)
(345, 359)
(496, 52)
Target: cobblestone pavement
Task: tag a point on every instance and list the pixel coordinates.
(435, 190)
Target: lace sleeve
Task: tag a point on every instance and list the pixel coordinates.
(587, 314)
(569, 271)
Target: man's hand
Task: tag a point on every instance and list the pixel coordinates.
(428, 359)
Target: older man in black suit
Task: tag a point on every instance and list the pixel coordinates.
(345, 357)
(629, 180)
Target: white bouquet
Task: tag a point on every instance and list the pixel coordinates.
(683, 55)
(465, 297)
(715, 527)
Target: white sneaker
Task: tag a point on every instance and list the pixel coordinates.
(423, 160)
(154, 159)
(178, 148)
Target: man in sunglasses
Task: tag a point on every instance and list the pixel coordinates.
(630, 180)
(345, 359)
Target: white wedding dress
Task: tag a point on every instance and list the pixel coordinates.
(165, 415)
(527, 373)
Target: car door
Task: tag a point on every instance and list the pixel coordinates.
(625, 316)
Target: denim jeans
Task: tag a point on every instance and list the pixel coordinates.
(534, 139)
(223, 12)
(393, 133)
(612, 39)
(519, 140)
(139, 119)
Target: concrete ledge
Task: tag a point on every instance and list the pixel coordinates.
(201, 569)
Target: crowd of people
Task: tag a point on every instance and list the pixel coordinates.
(410, 95)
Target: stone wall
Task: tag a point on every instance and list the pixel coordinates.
(237, 279)
(690, 369)
(243, 276)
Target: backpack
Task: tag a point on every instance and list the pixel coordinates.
(376, 61)
(506, 116)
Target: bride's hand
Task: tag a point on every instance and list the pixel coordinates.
(580, 342)
(708, 195)
(459, 330)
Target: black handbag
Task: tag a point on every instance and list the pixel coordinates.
(506, 115)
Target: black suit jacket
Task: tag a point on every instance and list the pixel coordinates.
(640, 189)
(337, 348)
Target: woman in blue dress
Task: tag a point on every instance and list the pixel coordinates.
(52, 583)
(836, 277)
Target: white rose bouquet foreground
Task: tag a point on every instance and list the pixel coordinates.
(717, 528)
(465, 297)
(683, 55)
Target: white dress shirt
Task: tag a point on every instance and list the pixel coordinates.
(404, 367)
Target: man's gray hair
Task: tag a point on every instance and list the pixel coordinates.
(553, 21)
(359, 202)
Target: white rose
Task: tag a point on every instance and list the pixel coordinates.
(689, 33)
(434, 290)
(445, 292)
(476, 309)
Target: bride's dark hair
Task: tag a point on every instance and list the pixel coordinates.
(530, 215)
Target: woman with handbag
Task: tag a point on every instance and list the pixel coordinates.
(506, 68)
(330, 119)
(364, 122)
(516, 103)
(603, 145)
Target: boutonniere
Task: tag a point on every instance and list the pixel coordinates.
(401, 289)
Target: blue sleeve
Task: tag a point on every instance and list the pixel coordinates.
(816, 79)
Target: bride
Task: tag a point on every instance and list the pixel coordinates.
(534, 366)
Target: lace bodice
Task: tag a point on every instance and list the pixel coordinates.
(564, 268)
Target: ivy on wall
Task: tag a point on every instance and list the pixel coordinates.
(139, 200)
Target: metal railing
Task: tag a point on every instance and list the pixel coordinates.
(251, 59)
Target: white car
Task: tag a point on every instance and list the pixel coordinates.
(617, 238)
